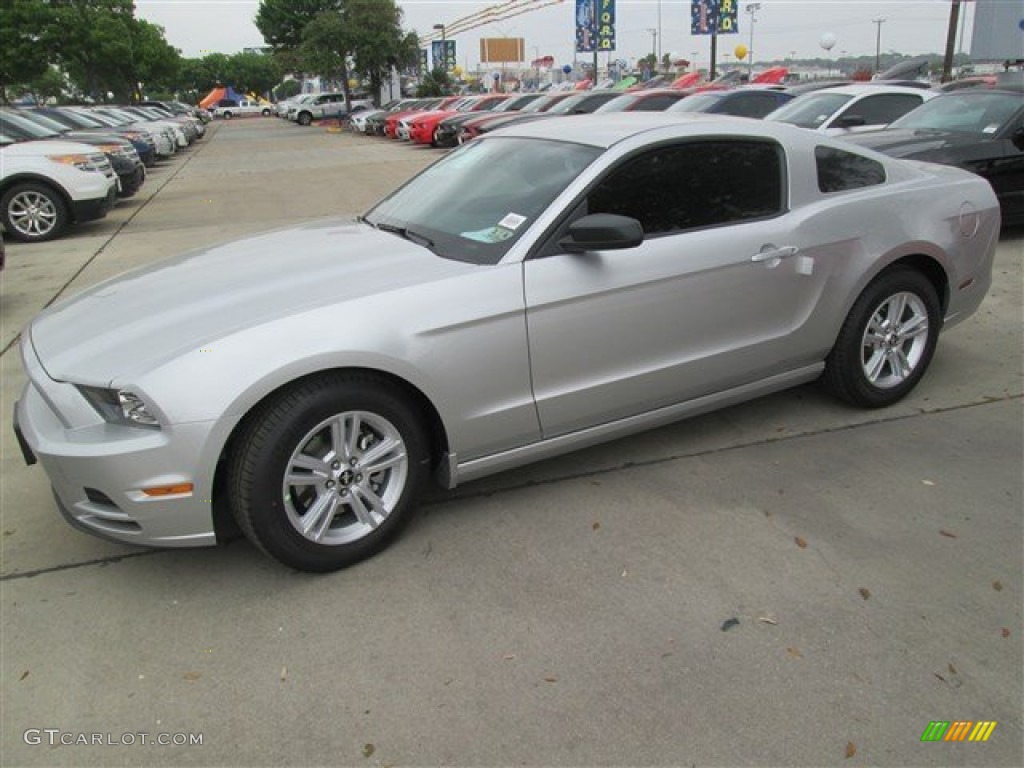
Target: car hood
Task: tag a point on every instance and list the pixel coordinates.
(45, 147)
(905, 142)
(137, 321)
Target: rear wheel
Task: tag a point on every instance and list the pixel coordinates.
(887, 340)
(228, 115)
(34, 212)
(265, 113)
(326, 473)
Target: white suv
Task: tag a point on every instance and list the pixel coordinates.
(229, 108)
(46, 185)
(325, 105)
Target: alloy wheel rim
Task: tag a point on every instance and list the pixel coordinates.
(894, 340)
(32, 214)
(345, 478)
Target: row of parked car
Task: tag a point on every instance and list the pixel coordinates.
(68, 164)
(980, 129)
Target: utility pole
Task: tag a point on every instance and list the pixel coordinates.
(654, 47)
(947, 61)
(878, 41)
(752, 9)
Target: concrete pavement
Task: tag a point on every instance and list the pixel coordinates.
(576, 612)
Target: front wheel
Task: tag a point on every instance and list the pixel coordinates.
(305, 118)
(326, 473)
(265, 113)
(33, 212)
(227, 115)
(887, 340)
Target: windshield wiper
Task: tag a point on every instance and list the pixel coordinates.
(363, 220)
(408, 234)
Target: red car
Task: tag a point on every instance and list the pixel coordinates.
(422, 128)
(391, 123)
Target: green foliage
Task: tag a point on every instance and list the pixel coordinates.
(335, 37)
(23, 57)
(287, 89)
(434, 83)
(281, 22)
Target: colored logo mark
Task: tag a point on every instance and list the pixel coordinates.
(958, 730)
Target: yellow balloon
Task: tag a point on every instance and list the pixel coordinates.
(740, 51)
(457, 71)
(353, 83)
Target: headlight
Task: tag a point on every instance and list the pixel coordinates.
(79, 161)
(119, 406)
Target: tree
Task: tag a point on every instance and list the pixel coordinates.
(281, 22)
(23, 56)
(254, 72)
(153, 62)
(378, 42)
(434, 83)
(334, 37)
(325, 47)
(92, 40)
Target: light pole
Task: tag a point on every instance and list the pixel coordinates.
(878, 40)
(752, 9)
(654, 48)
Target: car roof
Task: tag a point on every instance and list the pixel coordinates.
(859, 89)
(607, 129)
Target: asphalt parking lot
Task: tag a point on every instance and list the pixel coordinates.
(788, 582)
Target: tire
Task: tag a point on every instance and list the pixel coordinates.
(265, 113)
(304, 118)
(887, 340)
(306, 493)
(33, 212)
(227, 115)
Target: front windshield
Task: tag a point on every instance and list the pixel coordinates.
(810, 111)
(618, 104)
(74, 120)
(475, 203)
(698, 102)
(19, 124)
(47, 122)
(984, 113)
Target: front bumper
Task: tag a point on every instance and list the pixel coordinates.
(96, 208)
(98, 469)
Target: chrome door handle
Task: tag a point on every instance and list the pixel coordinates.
(771, 253)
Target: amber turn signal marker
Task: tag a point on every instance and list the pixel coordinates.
(168, 490)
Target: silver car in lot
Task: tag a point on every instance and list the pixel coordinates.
(545, 288)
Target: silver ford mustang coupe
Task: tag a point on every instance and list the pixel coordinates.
(539, 290)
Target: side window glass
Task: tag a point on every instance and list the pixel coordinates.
(696, 184)
(655, 103)
(884, 108)
(839, 170)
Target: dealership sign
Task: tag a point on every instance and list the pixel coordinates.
(595, 25)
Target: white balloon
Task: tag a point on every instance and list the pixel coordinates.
(828, 41)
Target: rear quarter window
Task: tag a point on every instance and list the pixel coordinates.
(839, 171)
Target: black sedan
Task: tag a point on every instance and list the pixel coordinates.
(979, 130)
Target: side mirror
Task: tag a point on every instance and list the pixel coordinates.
(602, 232)
(849, 121)
(1017, 138)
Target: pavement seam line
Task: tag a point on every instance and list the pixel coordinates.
(109, 240)
(626, 466)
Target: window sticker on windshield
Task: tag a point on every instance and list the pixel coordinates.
(990, 128)
(512, 221)
(489, 235)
